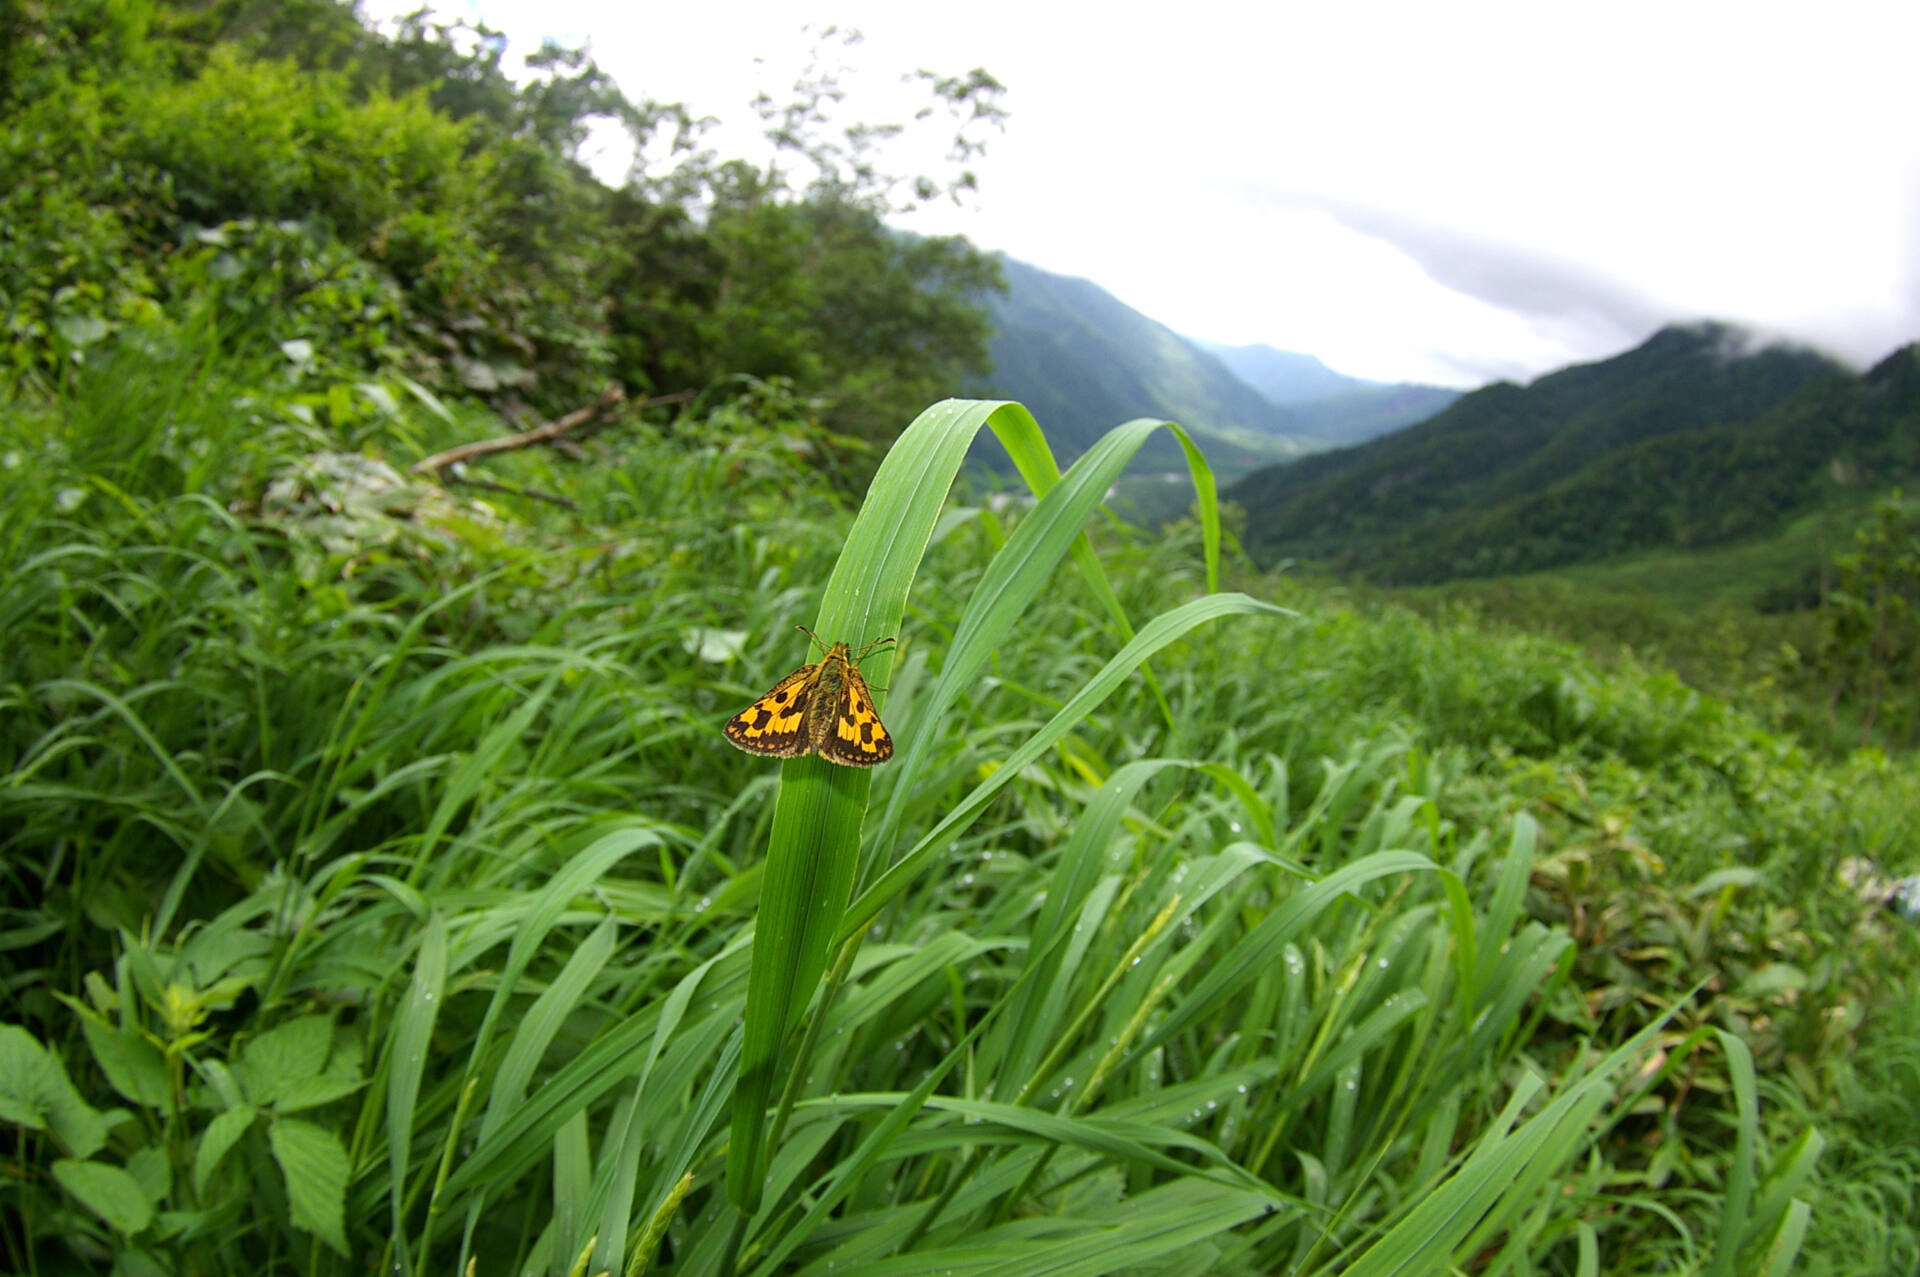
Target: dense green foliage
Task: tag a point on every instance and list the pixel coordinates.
(342, 814)
(1813, 628)
(377, 890)
(397, 205)
(1685, 441)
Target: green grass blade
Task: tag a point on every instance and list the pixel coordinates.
(1153, 636)
(578, 875)
(1033, 1019)
(1012, 580)
(1738, 1194)
(1258, 952)
(1503, 1172)
(412, 1032)
(1784, 1245)
(814, 846)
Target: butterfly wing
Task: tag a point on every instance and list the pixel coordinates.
(771, 725)
(858, 739)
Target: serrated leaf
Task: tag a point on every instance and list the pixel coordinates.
(284, 1056)
(217, 1141)
(108, 1192)
(342, 1076)
(36, 1093)
(315, 1167)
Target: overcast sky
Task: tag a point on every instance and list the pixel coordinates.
(1446, 193)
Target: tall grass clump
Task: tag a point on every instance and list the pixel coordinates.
(380, 890)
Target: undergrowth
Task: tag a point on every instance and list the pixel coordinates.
(378, 887)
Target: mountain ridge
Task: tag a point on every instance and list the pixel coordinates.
(1330, 407)
(1083, 361)
(1655, 447)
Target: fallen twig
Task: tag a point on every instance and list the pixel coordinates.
(553, 432)
(489, 485)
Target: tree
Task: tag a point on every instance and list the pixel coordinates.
(1871, 623)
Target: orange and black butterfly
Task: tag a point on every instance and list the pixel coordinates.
(823, 708)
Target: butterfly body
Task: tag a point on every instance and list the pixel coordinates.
(824, 708)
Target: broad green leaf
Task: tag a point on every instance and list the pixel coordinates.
(153, 1172)
(36, 1093)
(315, 1168)
(222, 1133)
(133, 1065)
(342, 1076)
(283, 1055)
(108, 1192)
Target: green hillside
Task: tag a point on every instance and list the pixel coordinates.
(1283, 376)
(1330, 407)
(1835, 437)
(1356, 416)
(1081, 359)
(1629, 453)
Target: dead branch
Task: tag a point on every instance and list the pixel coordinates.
(488, 485)
(553, 432)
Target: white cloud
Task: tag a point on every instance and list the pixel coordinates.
(1747, 162)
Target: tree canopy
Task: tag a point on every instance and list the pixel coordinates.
(395, 203)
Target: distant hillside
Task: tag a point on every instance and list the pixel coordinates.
(1327, 406)
(1374, 410)
(1283, 376)
(1083, 361)
(1691, 438)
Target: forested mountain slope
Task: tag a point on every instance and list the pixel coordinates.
(1083, 361)
(1690, 437)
